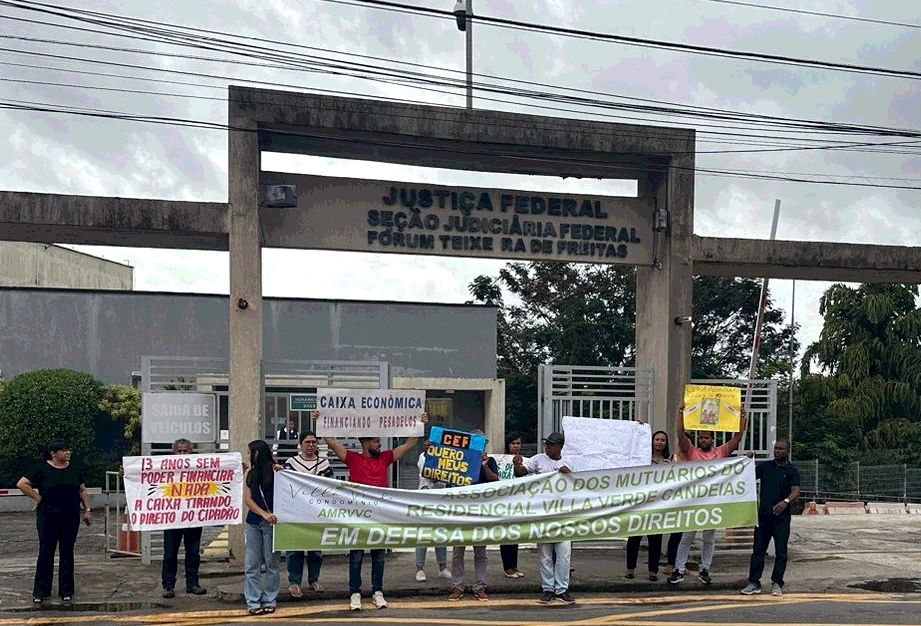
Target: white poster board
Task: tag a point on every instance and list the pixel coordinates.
(595, 444)
(370, 413)
(168, 416)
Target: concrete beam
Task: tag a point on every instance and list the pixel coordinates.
(799, 260)
(95, 220)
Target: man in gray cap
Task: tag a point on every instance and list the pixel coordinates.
(554, 557)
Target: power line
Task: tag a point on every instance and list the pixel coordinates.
(837, 16)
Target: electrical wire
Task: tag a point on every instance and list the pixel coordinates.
(836, 16)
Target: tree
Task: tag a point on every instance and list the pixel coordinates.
(38, 407)
(869, 361)
(573, 314)
(123, 405)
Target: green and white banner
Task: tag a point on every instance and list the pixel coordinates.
(316, 513)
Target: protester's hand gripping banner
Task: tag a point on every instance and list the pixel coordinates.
(712, 407)
(183, 490)
(316, 513)
(454, 457)
(506, 465)
(370, 413)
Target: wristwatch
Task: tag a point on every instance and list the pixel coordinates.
(787, 500)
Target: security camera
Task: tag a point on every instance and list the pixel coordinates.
(686, 319)
(460, 14)
(242, 304)
(279, 196)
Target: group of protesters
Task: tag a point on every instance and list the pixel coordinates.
(58, 488)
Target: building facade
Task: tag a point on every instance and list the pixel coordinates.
(45, 265)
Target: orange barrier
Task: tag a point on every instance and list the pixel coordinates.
(128, 540)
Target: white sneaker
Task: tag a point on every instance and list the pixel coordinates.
(420, 576)
(445, 573)
(355, 602)
(378, 599)
(776, 590)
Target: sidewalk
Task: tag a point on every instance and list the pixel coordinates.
(827, 554)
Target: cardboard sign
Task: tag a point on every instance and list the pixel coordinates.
(454, 457)
(712, 407)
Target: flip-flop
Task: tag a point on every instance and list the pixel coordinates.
(268, 609)
(37, 601)
(296, 592)
(317, 588)
(257, 611)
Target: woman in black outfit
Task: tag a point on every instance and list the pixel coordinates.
(57, 485)
(660, 454)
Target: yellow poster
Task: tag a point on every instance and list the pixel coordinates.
(712, 407)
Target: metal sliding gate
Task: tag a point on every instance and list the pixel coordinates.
(281, 381)
(625, 393)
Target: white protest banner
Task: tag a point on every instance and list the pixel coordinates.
(370, 413)
(593, 443)
(316, 513)
(505, 465)
(183, 490)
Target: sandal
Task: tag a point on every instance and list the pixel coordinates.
(653, 576)
(317, 587)
(511, 574)
(268, 609)
(257, 611)
(37, 601)
(67, 599)
(296, 592)
(630, 575)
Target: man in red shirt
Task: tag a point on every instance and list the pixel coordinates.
(703, 451)
(370, 467)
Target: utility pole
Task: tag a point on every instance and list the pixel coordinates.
(463, 12)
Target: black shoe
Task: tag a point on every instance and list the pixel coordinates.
(565, 598)
(168, 592)
(195, 589)
(546, 598)
(675, 578)
(704, 576)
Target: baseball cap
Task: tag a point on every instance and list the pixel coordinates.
(555, 438)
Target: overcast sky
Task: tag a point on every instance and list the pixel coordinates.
(55, 152)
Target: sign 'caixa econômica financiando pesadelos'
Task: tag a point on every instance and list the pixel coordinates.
(383, 216)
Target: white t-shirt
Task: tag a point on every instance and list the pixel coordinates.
(427, 483)
(543, 464)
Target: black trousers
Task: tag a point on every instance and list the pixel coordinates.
(509, 556)
(778, 529)
(56, 531)
(655, 550)
(171, 540)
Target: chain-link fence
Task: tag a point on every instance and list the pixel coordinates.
(854, 481)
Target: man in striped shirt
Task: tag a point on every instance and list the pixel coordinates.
(308, 461)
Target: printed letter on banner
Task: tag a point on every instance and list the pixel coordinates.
(183, 490)
(370, 413)
(712, 407)
(317, 513)
(454, 457)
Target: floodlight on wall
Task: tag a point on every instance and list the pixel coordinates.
(660, 221)
(279, 196)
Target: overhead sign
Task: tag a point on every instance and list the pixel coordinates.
(303, 401)
(370, 413)
(383, 216)
(167, 416)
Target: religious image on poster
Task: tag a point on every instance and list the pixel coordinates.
(454, 457)
(593, 443)
(370, 413)
(712, 408)
(317, 513)
(505, 465)
(183, 490)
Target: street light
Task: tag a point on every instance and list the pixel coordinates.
(463, 12)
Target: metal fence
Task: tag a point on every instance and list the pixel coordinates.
(859, 482)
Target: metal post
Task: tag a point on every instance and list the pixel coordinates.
(904, 483)
(792, 355)
(858, 480)
(469, 54)
(816, 478)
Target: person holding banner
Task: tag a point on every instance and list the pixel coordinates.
(308, 461)
(660, 455)
(703, 451)
(173, 538)
(441, 554)
(57, 486)
(258, 494)
(509, 552)
(555, 558)
(369, 467)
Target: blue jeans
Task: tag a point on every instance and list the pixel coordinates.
(171, 540)
(295, 562)
(377, 570)
(554, 566)
(259, 553)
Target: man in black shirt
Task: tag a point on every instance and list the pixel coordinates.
(779, 487)
(172, 539)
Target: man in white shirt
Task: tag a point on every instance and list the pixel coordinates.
(555, 558)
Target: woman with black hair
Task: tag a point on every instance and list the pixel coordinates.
(258, 494)
(57, 485)
(660, 454)
(509, 552)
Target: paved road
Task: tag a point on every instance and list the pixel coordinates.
(591, 610)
